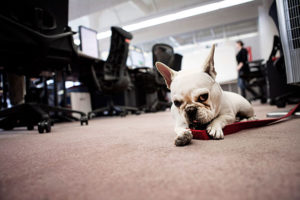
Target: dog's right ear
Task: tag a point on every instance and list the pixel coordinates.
(209, 66)
(166, 72)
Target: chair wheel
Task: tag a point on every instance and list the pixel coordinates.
(8, 127)
(123, 114)
(43, 126)
(48, 126)
(30, 127)
(263, 100)
(281, 103)
(84, 120)
(91, 115)
(137, 112)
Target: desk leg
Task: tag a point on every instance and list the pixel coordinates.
(64, 97)
(55, 89)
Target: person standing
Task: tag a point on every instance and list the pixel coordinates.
(243, 69)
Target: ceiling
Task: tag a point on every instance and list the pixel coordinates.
(121, 12)
(203, 35)
(102, 14)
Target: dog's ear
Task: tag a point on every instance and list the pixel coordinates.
(166, 72)
(209, 67)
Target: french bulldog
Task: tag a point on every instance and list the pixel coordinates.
(198, 99)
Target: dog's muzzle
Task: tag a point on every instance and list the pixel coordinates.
(191, 113)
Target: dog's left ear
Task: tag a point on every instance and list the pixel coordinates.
(166, 72)
(209, 67)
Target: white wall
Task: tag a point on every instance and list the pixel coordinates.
(225, 55)
(225, 63)
(254, 43)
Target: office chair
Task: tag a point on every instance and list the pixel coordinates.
(256, 78)
(36, 39)
(280, 93)
(150, 85)
(177, 62)
(114, 78)
(163, 53)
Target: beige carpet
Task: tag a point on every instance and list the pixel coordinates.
(135, 158)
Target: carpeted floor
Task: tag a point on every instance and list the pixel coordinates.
(135, 158)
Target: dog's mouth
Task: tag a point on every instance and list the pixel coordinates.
(198, 125)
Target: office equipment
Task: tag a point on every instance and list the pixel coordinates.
(88, 42)
(36, 39)
(114, 78)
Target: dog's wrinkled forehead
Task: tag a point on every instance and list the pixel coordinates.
(186, 82)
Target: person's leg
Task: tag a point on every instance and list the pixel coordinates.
(241, 84)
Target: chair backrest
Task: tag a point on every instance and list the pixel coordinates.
(276, 47)
(177, 62)
(45, 16)
(36, 34)
(163, 53)
(116, 76)
(115, 64)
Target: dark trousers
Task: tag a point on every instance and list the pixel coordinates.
(243, 84)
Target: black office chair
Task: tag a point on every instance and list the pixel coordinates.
(280, 93)
(150, 85)
(163, 53)
(35, 39)
(256, 79)
(114, 79)
(177, 62)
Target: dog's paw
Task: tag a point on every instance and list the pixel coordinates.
(184, 139)
(215, 132)
(252, 118)
(248, 119)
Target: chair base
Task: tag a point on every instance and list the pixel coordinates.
(32, 114)
(158, 106)
(112, 109)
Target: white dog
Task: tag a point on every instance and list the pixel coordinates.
(198, 98)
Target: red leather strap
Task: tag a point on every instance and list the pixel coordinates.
(238, 126)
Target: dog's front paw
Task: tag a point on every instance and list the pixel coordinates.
(184, 139)
(249, 119)
(215, 132)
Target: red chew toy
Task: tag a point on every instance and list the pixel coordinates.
(238, 126)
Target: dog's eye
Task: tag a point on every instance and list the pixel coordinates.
(203, 97)
(177, 103)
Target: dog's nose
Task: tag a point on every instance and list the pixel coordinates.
(191, 112)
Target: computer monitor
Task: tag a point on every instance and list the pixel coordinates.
(129, 62)
(88, 41)
(137, 58)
